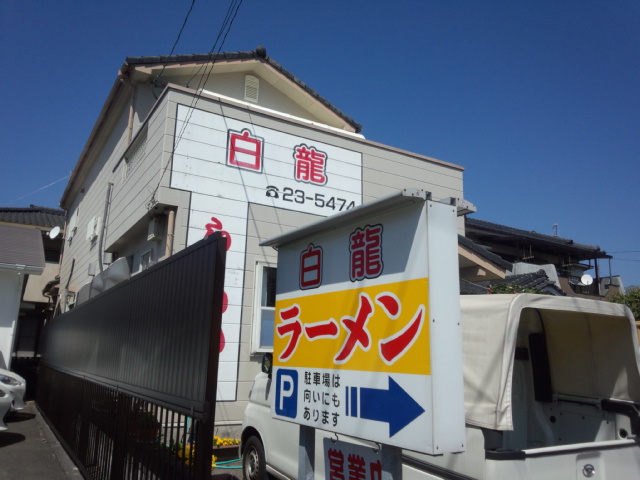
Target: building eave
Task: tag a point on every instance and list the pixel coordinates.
(83, 165)
(497, 231)
(146, 68)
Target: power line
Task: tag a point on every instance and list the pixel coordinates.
(184, 23)
(627, 251)
(232, 12)
(38, 190)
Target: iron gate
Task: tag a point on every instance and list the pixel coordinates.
(128, 378)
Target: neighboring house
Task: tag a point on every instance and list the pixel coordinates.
(564, 262)
(192, 144)
(30, 260)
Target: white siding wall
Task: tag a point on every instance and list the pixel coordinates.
(133, 192)
(130, 193)
(91, 204)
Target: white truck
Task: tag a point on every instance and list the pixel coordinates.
(552, 391)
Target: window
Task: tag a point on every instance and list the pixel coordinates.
(146, 260)
(135, 154)
(264, 308)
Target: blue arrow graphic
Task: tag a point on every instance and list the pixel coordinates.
(393, 406)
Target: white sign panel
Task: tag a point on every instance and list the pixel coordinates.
(360, 310)
(227, 164)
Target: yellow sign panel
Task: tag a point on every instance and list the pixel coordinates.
(379, 328)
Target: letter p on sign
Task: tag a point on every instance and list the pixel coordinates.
(287, 393)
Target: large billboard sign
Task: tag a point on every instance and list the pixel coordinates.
(367, 336)
(228, 164)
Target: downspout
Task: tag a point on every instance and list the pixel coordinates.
(171, 222)
(65, 292)
(132, 110)
(104, 225)
(64, 241)
(6, 362)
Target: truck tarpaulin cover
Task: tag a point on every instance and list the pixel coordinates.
(591, 344)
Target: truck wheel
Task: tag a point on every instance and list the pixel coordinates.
(254, 466)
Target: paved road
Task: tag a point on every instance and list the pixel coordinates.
(30, 451)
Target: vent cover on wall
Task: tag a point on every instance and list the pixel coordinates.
(251, 88)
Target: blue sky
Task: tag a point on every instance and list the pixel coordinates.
(539, 101)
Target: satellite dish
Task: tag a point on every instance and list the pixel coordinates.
(586, 279)
(53, 234)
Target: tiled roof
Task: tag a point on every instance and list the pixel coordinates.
(37, 216)
(483, 252)
(470, 288)
(258, 53)
(533, 237)
(21, 246)
(536, 280)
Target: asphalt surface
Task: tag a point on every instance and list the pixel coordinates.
(29, 450)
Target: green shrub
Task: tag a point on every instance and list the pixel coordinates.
(631, 299)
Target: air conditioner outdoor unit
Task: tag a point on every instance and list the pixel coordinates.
(93, 228)
(154, 232)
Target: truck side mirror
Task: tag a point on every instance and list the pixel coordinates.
(267, 363)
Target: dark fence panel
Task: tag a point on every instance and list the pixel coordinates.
(116, 436)
(149, 335)
(147, 347)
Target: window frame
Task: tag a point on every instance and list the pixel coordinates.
(256, 330)
(135, 154)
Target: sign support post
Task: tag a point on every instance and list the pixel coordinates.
(306, 453)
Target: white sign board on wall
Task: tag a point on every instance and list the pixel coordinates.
(367, 339)
(227, 164)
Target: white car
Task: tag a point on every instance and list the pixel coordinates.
(6, 399)
(16, 386)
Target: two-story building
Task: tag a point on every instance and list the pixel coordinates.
(193, 144)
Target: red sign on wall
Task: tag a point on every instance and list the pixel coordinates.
(245, 150)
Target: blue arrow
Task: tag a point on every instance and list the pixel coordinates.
(393, 406)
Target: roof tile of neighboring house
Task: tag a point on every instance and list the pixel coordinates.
(537, 280)
(258, 53)
(470, 288)
(534, 236)
(37, 216)
(21, 246)
(483, 252)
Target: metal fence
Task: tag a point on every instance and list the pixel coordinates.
(128, 379)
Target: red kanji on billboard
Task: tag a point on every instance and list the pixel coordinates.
(343, 465)
(357, 331)
(365, 247)
(336, 464)
(311, 267)
(390, 349)
(245, 150)
(311, 165)
(216, 226)
(291, 326)
(323, 329)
